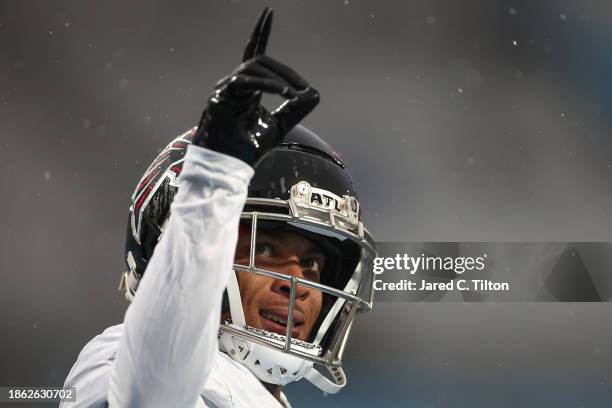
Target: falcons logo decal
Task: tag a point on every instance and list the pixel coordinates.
(166, 168)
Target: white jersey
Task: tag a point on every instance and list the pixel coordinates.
(166, 353)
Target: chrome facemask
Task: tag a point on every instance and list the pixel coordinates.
(320, 213)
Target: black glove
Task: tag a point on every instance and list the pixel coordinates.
(234, 122)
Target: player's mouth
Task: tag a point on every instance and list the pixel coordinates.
(275, 320)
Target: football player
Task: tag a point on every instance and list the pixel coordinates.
(247, 258)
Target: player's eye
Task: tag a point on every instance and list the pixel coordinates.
(263, 250)
(312, 269)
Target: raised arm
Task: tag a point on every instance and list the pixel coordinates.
(169, 339)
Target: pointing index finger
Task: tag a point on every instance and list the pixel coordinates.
(259, 38)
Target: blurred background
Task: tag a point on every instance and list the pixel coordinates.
(482, 120)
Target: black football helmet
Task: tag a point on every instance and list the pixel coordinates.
(301, 185)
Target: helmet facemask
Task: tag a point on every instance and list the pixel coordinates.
(345, 288)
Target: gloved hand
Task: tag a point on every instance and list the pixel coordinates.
(234, 122)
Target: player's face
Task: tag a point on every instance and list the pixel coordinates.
(265, 300)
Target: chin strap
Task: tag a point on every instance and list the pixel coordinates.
(239, 345)
(235, 303)
(325, 384)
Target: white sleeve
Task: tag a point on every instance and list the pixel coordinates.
(169, 338)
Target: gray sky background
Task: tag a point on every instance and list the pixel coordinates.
(460, 121)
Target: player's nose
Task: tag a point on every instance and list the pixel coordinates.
(292, 268)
